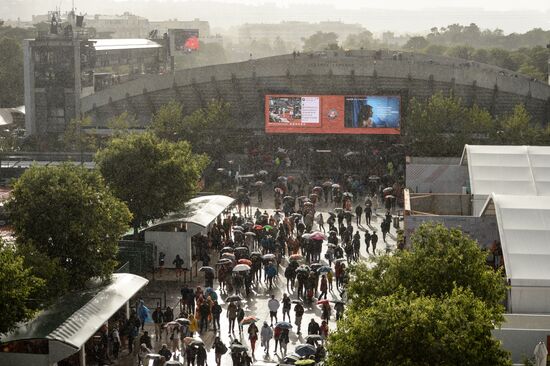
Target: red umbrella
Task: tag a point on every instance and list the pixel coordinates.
(245, 261)
(258, 227)
(321, 302)
(249, 320)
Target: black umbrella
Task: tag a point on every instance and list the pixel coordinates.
(233, 298)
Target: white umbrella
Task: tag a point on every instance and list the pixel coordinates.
(541, 354)
(241, 268)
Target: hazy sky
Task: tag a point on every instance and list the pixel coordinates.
(400, 16)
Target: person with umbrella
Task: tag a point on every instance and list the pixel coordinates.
(325, 311)
(321, 222)
(204, 311)
(323, 330)
(313, 327)
(298, 313)
(201, 355)
(165, 352)
(190, 353)
(252, 336)
(219, 349)
(276, 335)
(266, 334)
(283, 341)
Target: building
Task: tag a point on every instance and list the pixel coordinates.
(162, 26)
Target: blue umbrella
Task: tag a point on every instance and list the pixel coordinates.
(283, 325)
(324, 269)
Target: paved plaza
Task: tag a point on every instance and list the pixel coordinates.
(168, 285)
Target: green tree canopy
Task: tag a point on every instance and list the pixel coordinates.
(402, 329)
(17, 286)
(416, 43)
(67, 224)
(153, 176)
(440, 260)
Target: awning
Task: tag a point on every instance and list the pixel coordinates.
(76, 317)
(200, 211)
(123, 44)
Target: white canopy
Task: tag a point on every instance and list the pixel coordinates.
(515, 170)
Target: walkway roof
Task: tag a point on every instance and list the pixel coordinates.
(514, 170)
(200, 211)
(76, 317)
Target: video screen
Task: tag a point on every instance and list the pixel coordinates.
(333, 114)
(372, 112)
(184, 40)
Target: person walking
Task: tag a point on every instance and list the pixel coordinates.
(286, 306)
(323, 330)
(204, 311)
(321, 222)
(298, 313)
(232, 316)
(330, 277)
(374, 240)
(358, 214)
(193, 324)
(266, 334)
(339, 307)
(323, 287)
(115, 337)
(253, 336)
(165, 352)
(276, 336)
(216, 312)
(201, 356)
(240, 317)
(283, 341)
(368, 210)
(219, 349)
(367, 240)
(313, 327)
(273, 305)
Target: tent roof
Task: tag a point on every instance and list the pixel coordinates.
(123, 44)
(200, 211)
(76, 317)
(524, 228)
(514, 170)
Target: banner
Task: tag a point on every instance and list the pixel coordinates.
(333, 114)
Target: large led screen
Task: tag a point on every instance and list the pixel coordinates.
(332, 114)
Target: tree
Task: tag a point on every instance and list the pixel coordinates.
(67, 224)
(11, 73)
(440, 260)
(121, 124)
(153, 176)
(403, 329)
(320, 41)
(17, 285)
(75, 138)
(357, 41)
(416, 43)
(167, 122)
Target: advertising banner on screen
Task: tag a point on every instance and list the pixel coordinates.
(333, 114)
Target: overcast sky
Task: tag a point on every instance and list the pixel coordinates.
(400, 16)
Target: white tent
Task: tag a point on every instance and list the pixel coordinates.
(512, 170)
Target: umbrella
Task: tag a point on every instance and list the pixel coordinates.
(237, 347)
(242, 249)
(297, 302)
(233, 298)
(262, 172)
(255, 254)
(172, 324)
(268, 256)
(315, 266)
(306, 236)
(389, 197)
(305, 350)
(308, 203)
(290, 359)
(220, 169)
(238, 232)
(249, 233)
(340, 260)
(338, 210)
(305, 362)
(303, 268)
(228, 255)
(374, 177)
(206, 269)
(317, 188)
(313, 195)
(335, 185)
(249, 320)
(268, 227)
(278, 190)
(332, 232)
(314, 338)
(296, 215)
(321, 302)
(192, 340)
(248, 262)
(257, 227)
(387, 189)
(240, 228)
(259, 183)
(318, 236)
(224, 261)
(348, 194)
(173, 363)
(328, 183)
(241, 268)
(324, 269)
(183, 321)
(288, 198)
(283, 325)
(295, 257)
(227, 249)
(282, 179)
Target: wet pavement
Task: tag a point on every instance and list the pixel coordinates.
(168, 286)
